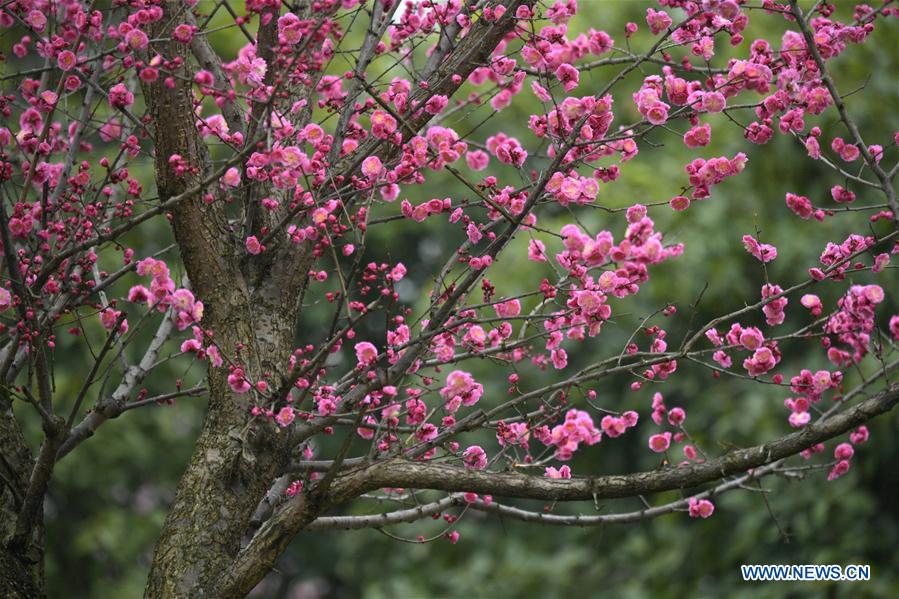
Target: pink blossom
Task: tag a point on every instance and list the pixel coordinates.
(184, 33)
(427, 432)
(120, 97)
(799, 205)
(563, 472)
(250, 69)
(397, 272)
(751, 338)
(366, 353)
(474, 233)
(480, 262)
(382, 124)
(843, 451)
(813, 147)
(761, 362)
(312, 133)
(567, 437)
(700, 508)
(38, 20)
(722, 358)
(461, 386)
(285, 416)
(66, 60)
(559, 358)
(698, 136)
(109, 318)
(813, 303)
(238, 383)
(873, 293)
(436, 104)
(371, 167)
(540, 92)
(713, 101)
(774, 308)
(848, 152)
(111, 130)
(507, 150)
(183, 300)
(215, 358)
(762, 251)
(474, 458)
(799, 419)
(679, 203)
(231, 177)
(859, 435)
(290, 29)
(657, 113)
(568, 76)
(841, 468)
(5, 300)
(842, 195)
(658, 20)
(294, 488)
(508, 309)
(660, 442)
(676, 416)
(191, 345)
(253, 245)
(477, 160)
(570, 188)
(137, 39)
(476, 337)
(536, 251)
(615, 426)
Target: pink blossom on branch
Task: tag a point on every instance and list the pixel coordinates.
(700, 508)
(475, 458)
(762, 251)
(352, 305)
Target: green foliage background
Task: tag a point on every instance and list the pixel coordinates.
(108, 500)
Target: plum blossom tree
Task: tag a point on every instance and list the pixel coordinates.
(272, 164)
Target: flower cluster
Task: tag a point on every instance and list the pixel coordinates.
(706, 173)
(852, 324)
(461, 390)
(809, 387)
(577, 429)
(162, 294)
(764, 356)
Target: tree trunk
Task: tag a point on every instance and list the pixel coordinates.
(236, 457)
(230, 471)
(21, 566)
(20, 576)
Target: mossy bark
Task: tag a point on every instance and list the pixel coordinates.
(251, 308)
(21, 564)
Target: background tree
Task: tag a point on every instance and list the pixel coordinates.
(362, 347)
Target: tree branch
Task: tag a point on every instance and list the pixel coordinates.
(424, 475)
(885, 182)
(114, 405)
(274, 536)
(386, 519)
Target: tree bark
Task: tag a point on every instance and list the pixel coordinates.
(235, 458)
(20, 577)
(21, 566)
